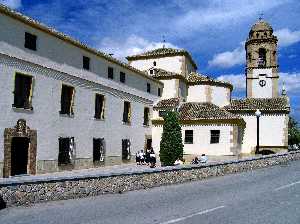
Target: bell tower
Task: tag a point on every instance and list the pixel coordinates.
(261, 65)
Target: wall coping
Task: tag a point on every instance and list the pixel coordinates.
(39, 179)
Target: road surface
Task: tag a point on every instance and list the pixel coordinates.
(270, 195)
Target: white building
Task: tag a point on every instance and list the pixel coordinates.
(213, 123)
(64, 105)
(82, 108)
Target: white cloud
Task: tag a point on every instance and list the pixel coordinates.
(221, 14)
(14, 4)
(292, 82)
(132, 45)
(286, 37)
(237, 80)
(228, 59)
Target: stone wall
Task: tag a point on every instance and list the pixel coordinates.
(16, 194)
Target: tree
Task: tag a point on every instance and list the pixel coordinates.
(171, 147)
(294, 135)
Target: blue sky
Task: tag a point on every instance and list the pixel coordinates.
(212, 31)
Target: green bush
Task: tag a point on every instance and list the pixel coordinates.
(294, 135)
(171, 147)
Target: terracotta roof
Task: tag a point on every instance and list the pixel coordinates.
(279, 104)
(162, 52)
(196, 78)
(200, 111)
(36, 24)
(170, 103)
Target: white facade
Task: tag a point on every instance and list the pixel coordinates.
(262, 83)
(201, 140)
(217, 95)
(273, 131)
(177, 64)
(57, 62)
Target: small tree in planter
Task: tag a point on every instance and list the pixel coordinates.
(171, 147)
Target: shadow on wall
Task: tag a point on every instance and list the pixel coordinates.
(266, 152)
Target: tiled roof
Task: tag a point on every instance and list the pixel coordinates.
(170, 103)
(161, 73)
(201, 111)
(279, 104)
(162, 52)
(36, 24)
(196, 78)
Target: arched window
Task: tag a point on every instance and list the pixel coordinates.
(262, 57)
(154, 63)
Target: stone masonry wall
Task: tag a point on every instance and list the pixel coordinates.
(16, 194)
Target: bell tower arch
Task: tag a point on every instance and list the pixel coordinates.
(261, 65)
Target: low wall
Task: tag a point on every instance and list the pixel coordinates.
(17, 193)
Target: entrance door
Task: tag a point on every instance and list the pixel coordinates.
(149, 143)
(19, 155)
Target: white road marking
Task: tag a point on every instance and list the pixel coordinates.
(192, 215)
(286, 186)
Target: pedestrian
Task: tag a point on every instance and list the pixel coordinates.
(147, 157)
(142, 157)
(203, 158)
(178, 162)
(137, 158)
(195, 160)
(152, 158)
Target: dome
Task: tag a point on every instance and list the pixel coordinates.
(261, 25)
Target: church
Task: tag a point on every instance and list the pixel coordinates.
(65, 105)
(212, 122)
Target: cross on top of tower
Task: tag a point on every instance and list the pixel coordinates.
(261, 16)
(164, 41)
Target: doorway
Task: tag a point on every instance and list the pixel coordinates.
(19, 155)
(148, 143)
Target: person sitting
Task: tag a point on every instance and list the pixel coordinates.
(203, 158)
(195, 160)
(142, 157)
(152, 158)
(137, 158)
(178, 162)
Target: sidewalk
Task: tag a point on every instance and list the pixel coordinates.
(102, 171)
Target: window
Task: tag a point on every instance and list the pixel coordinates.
(154, 63)
(66, 151)
(86, 63)
(127, 112)
(30, 41)
(214, 136)
(146, 116)
(188, 137)
(126, 149)
(23, 91)
(99, 106)
(151, 71)
(162, 113)
(98, 150)
(110, 72)
(67, 100)
(262, 57)
(122, 77)
(148, 87)
(159, 91)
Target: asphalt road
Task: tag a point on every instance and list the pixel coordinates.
(270, 195)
